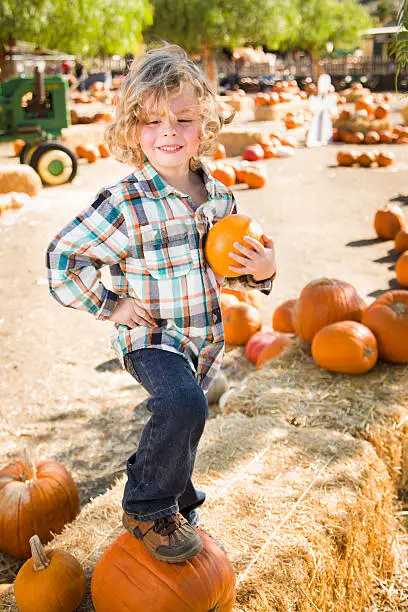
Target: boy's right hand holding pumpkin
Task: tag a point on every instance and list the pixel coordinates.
(130, 312)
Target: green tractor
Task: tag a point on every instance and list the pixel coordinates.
(36, 110)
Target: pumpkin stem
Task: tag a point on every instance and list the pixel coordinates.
(400, 308)
(40, 559)
(30, 472)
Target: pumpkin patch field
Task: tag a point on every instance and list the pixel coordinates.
(304, 459)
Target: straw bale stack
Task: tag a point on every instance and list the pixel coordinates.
(75, 135)
(239, 103)
(278, 111)
(362, 124)
(404, 113)
(237, 138)
(19, 178)
(304, 515)
(352, 95)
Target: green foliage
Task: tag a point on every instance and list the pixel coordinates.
(316, 22)
(384, 10)
(399, 47)
(94, 27)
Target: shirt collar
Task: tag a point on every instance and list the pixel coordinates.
(155, 187)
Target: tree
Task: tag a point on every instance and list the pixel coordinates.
(203, 25)
(317, 22)
(384, 10)
(399, 46)
(97, 27)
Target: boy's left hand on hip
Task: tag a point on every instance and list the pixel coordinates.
(256, 258)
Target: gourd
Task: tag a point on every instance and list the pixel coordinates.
(51, 581)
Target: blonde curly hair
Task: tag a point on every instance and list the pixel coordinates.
(158, 74)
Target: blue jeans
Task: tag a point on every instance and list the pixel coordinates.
(159, 472)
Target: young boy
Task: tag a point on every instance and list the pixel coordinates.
(150, 228)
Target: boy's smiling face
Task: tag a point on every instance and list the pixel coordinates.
(170, 139)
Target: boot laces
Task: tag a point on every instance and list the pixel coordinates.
(167, 525)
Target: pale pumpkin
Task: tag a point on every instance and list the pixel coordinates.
(51, 581)
(274, 348)
(128, 577)
(388, 221)
(324, 301)
(282, 320)
(41, 494)
(401, 269)
(346, 346)
(387, 318)
(241, 321)
(220, 242)
(257, 342)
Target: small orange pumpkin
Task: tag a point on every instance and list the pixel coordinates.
(357, 138)
(388, 221)
(227, 300)
(51, 581)
(387, 318)
(382, 111)
(367, 159)
(103, 150)
(387, 137)
(401, 269)
(220, 152)
(252, 297)
(401, 241)
(254, 178)
(372, 137)
(385, 159)
(253, 153)
(282, 317)
(241, 321)
(366, 103)
(346, 158)
(225, 174)
(345, 346)
(18, 144)
(337, 301)
(91, 153)
(274, 348)
(270, 151)
(220, 242)
(80, 151)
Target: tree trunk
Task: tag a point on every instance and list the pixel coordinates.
(210, 67)
(315, 65)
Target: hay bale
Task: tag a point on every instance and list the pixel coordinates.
(236, 139)
(296, 391)
(84, 134)
(404, 113)
(278, 111)
(19, 178)
(361, 124)
(240, 104)
(305, 515)
(352, 95)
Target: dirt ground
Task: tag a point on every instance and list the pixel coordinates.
(62, 392)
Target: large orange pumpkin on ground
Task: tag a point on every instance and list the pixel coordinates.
(274, 348)
(346, 346)
(51, 581)
(324, 301)
(387, 318)
(221, 238)
(257, 342)
(282, 320)
(401, 269)
(388, 221)
(127, 577)
(401, 241)
(35, 498)
(241, 321)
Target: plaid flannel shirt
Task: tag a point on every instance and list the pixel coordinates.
(152, 238)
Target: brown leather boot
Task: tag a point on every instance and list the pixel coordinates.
(169, 539)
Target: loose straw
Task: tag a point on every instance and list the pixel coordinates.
(242, 577)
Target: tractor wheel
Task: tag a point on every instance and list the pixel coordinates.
(27, 152)
(55, 163)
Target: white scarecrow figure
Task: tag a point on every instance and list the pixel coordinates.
(321, 127)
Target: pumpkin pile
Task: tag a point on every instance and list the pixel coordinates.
(282, 91)
(390, 224)
(396, 135)
(92, 152)
(368, 159)
(296, 120)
